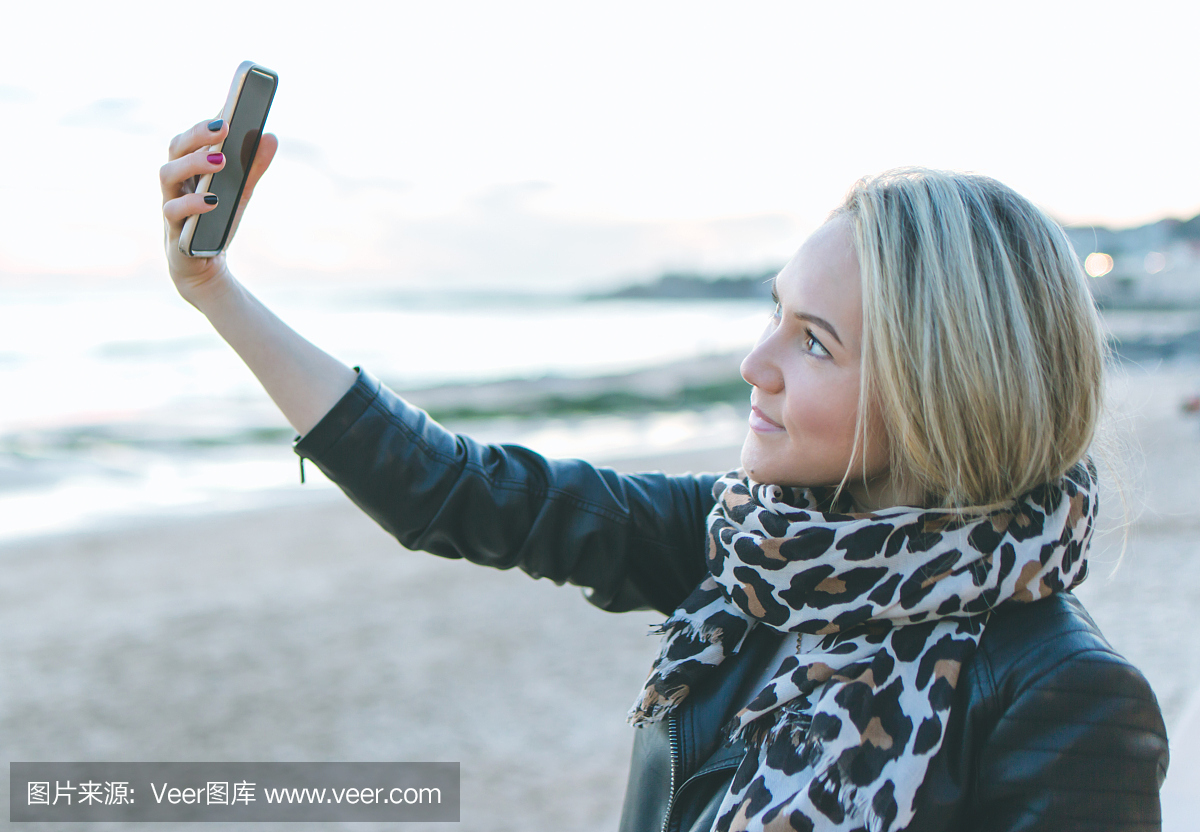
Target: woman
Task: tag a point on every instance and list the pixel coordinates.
(871, 623)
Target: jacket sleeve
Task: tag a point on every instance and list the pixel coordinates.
(1080, 745)
(633, 541)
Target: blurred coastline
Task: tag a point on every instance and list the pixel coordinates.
(125, 404)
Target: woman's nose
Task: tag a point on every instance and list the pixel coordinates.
(759, 368)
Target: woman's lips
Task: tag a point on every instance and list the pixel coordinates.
(759, 422)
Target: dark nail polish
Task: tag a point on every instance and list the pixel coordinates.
(210, 199)
(216, 158)
(216, 125)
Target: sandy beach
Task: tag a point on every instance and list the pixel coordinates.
(305, 633)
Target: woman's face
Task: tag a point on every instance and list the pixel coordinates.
(805, 371)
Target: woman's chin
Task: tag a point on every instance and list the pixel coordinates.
(757, 458)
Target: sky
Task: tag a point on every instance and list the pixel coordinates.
(545, 145)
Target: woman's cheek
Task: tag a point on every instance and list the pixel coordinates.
(821, 425)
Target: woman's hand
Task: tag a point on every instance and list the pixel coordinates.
(200, 278)
(302, 379)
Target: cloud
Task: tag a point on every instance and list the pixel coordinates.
(118, 114)
(309, 154)
(503, 239)
(11, 93)
(508, 237)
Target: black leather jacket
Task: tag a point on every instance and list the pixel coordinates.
(1052, 728)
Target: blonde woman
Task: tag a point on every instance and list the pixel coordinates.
(870, 623)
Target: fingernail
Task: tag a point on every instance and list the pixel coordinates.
(216, 158)
(216, 125)
(210, 199)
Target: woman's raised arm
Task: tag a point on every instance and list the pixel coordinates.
(304, 381)
(635, 541)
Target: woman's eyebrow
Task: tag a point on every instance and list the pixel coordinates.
(804, 316)
(821, 322)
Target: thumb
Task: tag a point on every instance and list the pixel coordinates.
(267, 146)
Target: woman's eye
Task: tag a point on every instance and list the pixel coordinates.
(814, 346)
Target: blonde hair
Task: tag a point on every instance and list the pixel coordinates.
(982, 347)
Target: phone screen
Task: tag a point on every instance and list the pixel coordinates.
(245, 129)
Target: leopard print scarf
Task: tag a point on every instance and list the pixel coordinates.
(841, 737)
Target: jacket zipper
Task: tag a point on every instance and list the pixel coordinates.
(673, 733)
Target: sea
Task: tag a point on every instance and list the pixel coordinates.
(121, 403)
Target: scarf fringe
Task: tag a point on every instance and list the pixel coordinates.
(792, 723)
(855, 802)
(790, 718)
(684, 628)
(657, 702)
(653, 706)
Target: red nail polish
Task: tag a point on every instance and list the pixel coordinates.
(216, 158)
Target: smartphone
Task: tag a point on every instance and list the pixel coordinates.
(250, 96)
